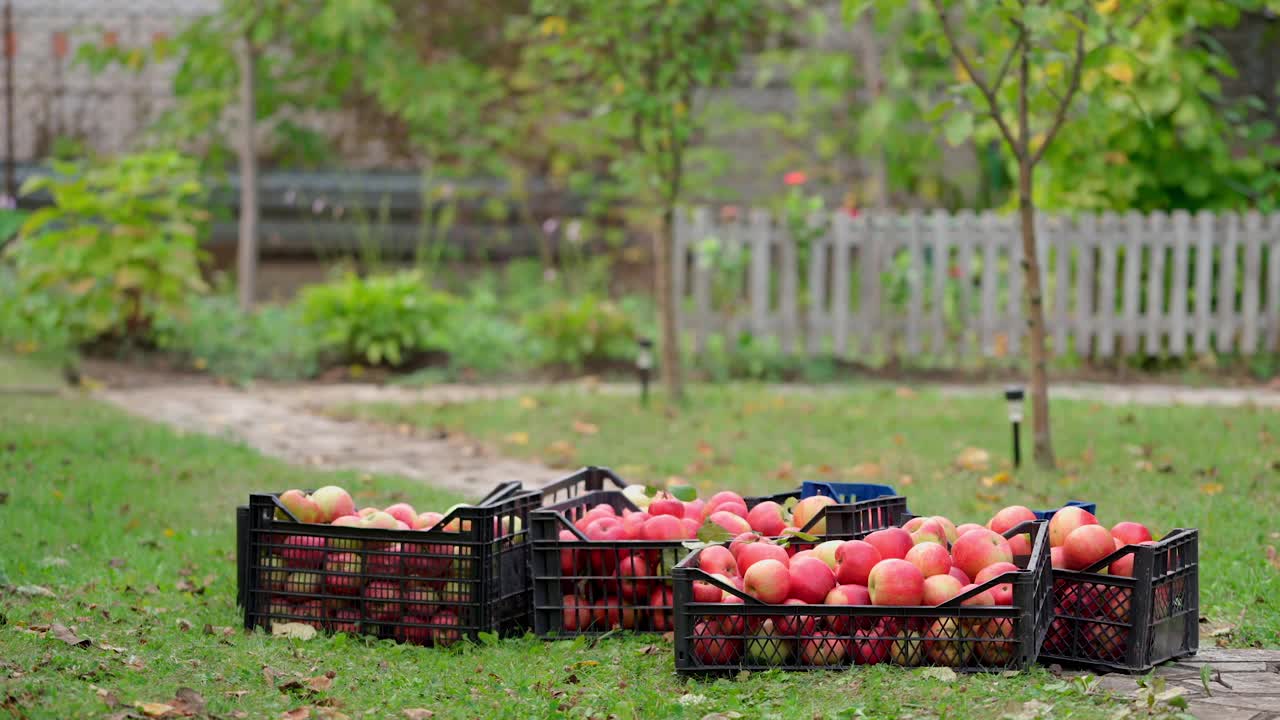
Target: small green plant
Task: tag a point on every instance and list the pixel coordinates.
(483, 342)
(213, 334)
(118, 246)
(582, 331)
(384, 319)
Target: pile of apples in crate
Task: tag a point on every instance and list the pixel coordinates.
(926, 562)
(630, 588)
(402, 584)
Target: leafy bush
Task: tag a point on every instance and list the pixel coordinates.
(581, 331)
(380, 319)
(119, 245)
(274, 342)
(482, 341)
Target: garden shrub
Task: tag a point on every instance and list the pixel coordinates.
(214, 334)
(582, 331)
(382, 319)
(118, 246)
(482, 341)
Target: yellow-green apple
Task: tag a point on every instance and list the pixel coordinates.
(403, 512)
(844, 595)
(367, 511)
(378, 520)
(446, 629)
(824, 648)
(929, 531)
(753, 553)
(710, 649)
(427, 520)
(303, 551)
(962, 529)
(272, 574)
(798, 622)
(768, 646)
(806, 513)
(768, 580)
(893, 543)
(638, 495)
(1131, 533)
(960, 575)
(827, 551)
(854, 560)
(662, 527)
(914, 523)
(1087, 545)
(736, 525)
(633, 576)
(343, 573)
(871, 647)
(413, 630)
(767, 518)
(334, 502)
(382, 599)
(303, 508)
(948, 527)
(895, 582)
(662, 599)
(664, 504)
(345, 620)
(1002, 593)
(995, 645)
(1066, 520)
(939, 589)
(304, 583)
(931, 558)
(1010, 517)
(907, 648)
(811, 579)
(978, 549)
(945, 644)
(716, 559)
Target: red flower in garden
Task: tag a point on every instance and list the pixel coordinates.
(851, 211)
(795, 177)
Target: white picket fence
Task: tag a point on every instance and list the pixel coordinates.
(950, 286)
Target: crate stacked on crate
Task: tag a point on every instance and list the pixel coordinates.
(464, 573)
(876, 607)
(1122, 601)
(599, 562)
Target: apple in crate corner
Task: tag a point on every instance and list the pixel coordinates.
(1066, 520)
(712, 650)
(303, 508)
(1002, 593)
(334, 502)
(303, 551)
(809, 508)
(1086, 545)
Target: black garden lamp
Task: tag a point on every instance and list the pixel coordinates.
(1013, 396)
(644, 367)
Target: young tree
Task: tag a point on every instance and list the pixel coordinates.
(1021, 65)
(652, 58)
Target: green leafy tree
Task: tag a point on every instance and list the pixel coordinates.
(654, 57)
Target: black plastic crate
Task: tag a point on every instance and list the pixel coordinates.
(1134, 623)
(429, 587)
(627, 583)
(718, 638)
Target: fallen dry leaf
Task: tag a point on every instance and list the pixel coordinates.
(301, 713)
(1273, 557)
(785, 471)
(585, 428)
(1000, 478)
(155, 710)
(107, 697)
(906, 480)
(35, 591)
(1211, 488)
(529, 403)
(904, 392)
(973, 459)
(188, 702)
(297, 631)
(320, 683)
(517, 438)
(941, 674)
(418, 713)
(868, 471)
(63, 633)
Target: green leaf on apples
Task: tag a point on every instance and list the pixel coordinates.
(790, 504)
(684, 493)
(713, 533)
(651, 491)
(696, 545)
(803, 536)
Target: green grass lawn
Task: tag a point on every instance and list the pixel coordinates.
(130, 527)
(26, 373)
(1214, 469)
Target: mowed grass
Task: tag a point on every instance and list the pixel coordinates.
(131, 529)
(1168, 467)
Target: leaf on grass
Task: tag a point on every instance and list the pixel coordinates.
(528, 402)
(785, 471)
(941, 674)
(904, 392)
(1000, 478)
(301, 713)
(585, 428)
(517, 438)
(320, 683)
(973, 459)
(906, 480)
(107, 697)
(35, 591)
(155, 710)
(1031, 710)
(418, 713)
(1273, 557)
(730, 715)
(188, 702)
(64, 633)
(297, 631)
(116, 563)
(1211, 488)
(867, 471)
(237, 694)
(650, 650)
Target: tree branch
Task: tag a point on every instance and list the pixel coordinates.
(1008, 59)
(993, 103)
(1064, 105)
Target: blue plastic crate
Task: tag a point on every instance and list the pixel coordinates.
(846, 493)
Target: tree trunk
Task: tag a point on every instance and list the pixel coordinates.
(1035, 319)
(247, 251)
(872, 72)
(664, 242)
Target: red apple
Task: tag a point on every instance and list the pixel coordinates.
(420, 599)
(661, 601)
(717, 559)
(939, 589)
(1058, 558)
(577, 614)
(741, 541)
(806, 512)
(982, 599)
(1058, 640)
(824, 648)
(960, 575)
(414, 630)
(854, 560)
(1103, 642)
(733, 523)
(845, 595)
(704, 591)
(662, 527)
(303, 507)
(802, 554)
(871, 647)
(303, 551)
(342, 573)
(962, 529)
(1131, 533)
(948, 528)
(387, 562)
(712, 650)
(427, 520)
(1002, 593)
(767, 518)
(930, 531)
(914, 523)
(721, 497)
(693, 509)
(382, 600)
(1066, 520)
(728, 624)
(895, 582)
(633, 577)
(1087, 545)
(446, 633)
(345, 620)
(975, 550)
(811, 579)
(666, 505)
(403, 512)
(334, 502)
(1011, 517)
(931, 558)
(755, 552)
(768, 580)
(691, 527)
(798, 623)
(892, 543)
(1020, 544)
